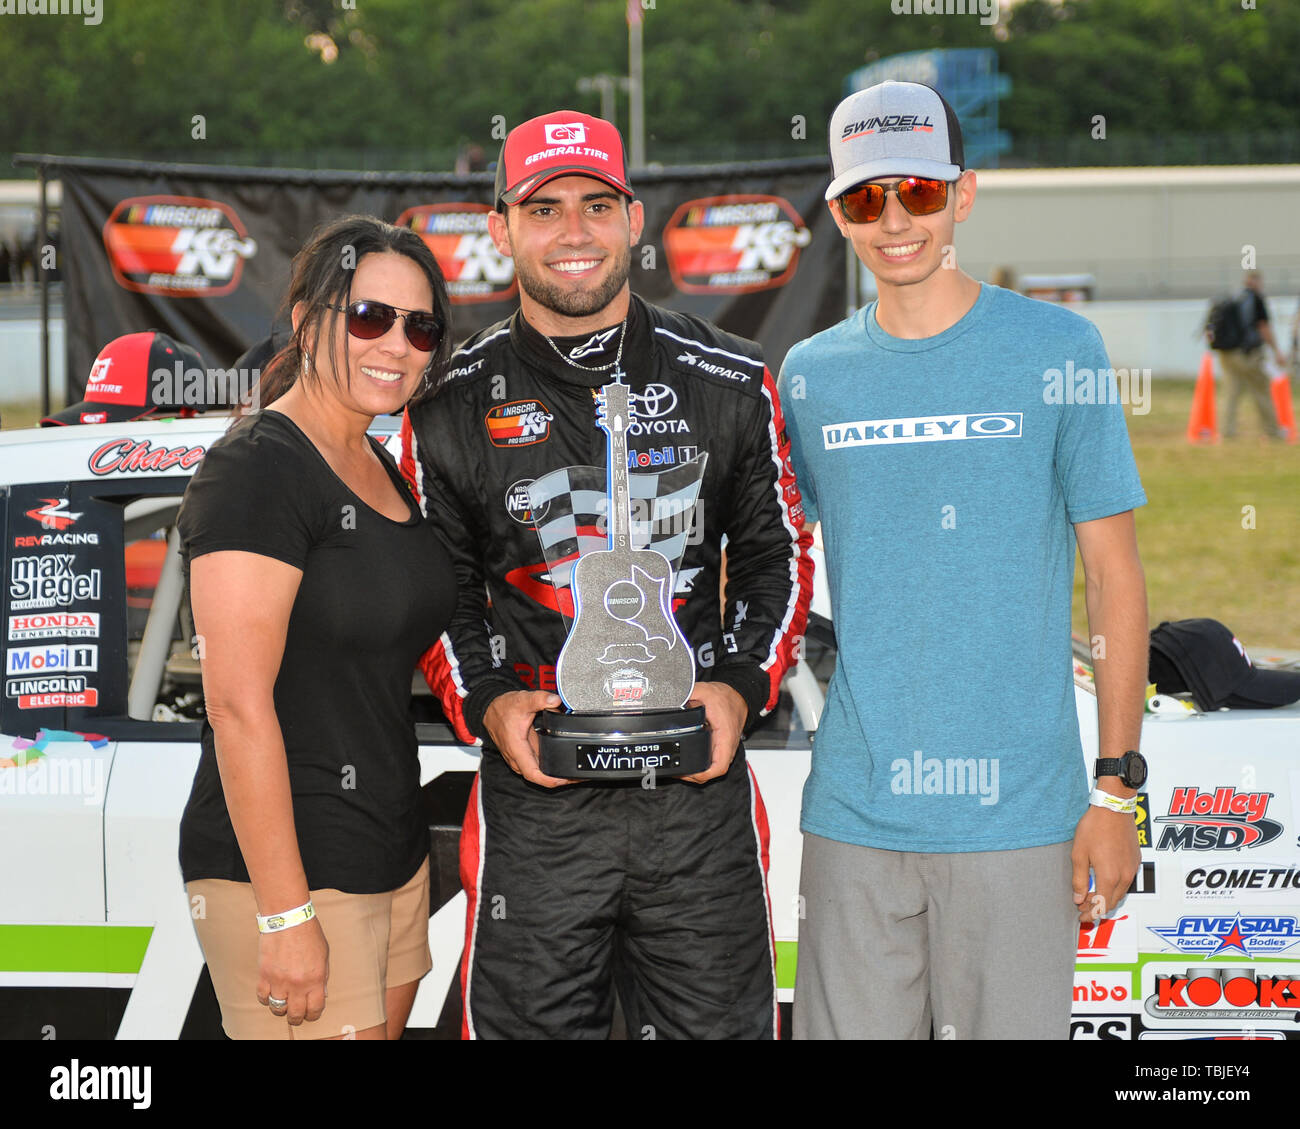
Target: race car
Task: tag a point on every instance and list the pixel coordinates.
(99, 741)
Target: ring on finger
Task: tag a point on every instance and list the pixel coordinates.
(274, 1003)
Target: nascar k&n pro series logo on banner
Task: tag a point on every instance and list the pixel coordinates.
(734, 244)
(1223, 820)
(457, 234)
(177, 246)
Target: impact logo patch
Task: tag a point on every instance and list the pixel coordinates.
(177, 246)
(921, 429)
(519, 423)
(457, 234)
(734, 244)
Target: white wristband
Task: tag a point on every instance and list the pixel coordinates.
(1103, 799)
(273, 923)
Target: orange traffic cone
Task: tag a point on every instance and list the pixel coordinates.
(1201, 427)
(1282, 402)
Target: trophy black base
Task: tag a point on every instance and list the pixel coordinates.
(623, 746)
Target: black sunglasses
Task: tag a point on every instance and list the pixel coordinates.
(369, 320)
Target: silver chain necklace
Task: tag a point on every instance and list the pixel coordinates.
(618, 373)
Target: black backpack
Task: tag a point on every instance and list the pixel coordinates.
(1224, 325)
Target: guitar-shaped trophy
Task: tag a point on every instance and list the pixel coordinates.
(625, 671)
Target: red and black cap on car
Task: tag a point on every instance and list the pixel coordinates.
(132, 378)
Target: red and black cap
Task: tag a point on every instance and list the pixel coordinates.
(564, 143)
(1202, 656)
(132, 378)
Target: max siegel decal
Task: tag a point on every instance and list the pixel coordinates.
(49, 582)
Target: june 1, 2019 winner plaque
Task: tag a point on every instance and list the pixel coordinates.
(625, 671)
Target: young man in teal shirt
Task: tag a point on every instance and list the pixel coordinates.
(948, 827)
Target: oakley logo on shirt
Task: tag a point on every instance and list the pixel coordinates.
(921, 429)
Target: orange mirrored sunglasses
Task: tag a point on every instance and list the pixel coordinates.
(920, 195)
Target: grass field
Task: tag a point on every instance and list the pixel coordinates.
(1199, 555)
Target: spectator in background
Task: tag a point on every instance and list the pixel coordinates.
(470, 158)
(1295, 341)
(6, 261)
(1244, 366)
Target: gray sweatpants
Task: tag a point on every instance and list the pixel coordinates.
(983, 944)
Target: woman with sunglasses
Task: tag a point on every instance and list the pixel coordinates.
(315, 586)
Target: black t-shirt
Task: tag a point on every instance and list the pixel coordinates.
(1253, 311)
(375, 594)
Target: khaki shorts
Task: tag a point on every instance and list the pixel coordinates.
(377, 942)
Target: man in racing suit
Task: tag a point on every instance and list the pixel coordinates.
(658, 885)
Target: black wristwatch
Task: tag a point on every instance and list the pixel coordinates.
(1131, 769)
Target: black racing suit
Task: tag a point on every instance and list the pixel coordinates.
(663, 887)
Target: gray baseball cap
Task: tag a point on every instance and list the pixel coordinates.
(894, 129)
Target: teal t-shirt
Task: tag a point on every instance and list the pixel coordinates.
(947, 473)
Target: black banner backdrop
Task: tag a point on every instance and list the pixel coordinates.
(203, 252)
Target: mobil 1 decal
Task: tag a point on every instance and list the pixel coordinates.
(734, 244)
(1216, 819)
(64, 608)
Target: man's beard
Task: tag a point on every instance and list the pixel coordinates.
(574, 303)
